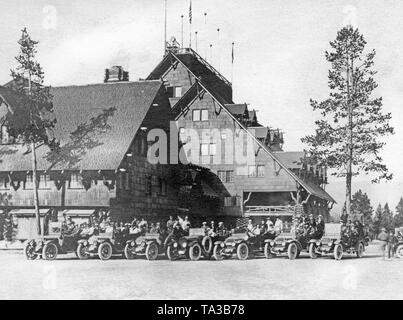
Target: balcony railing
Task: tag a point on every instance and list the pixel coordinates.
(269, 210)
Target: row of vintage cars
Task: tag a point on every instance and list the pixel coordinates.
(240, 244)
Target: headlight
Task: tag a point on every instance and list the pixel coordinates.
(175, 244)
(222, 244)
(272, 243)
(184, 244)
(133, 243)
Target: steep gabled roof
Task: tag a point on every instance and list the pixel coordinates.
(200, 69)
(292, 159)
(309, 187)
(238, 109)
(259, 132)
(74, 105)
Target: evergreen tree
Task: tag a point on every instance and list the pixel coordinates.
(348, 137)
(387, 218)
(377, 219)
(398, 218)
(360, 203)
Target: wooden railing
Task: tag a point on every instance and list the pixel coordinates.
(270, 210)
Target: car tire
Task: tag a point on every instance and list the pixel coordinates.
(312, 251)
(292, 251)
(105, 251)
(242, 251)
(49, 251)
(152, 251)
(171, 254)
(399, 251)
(217, 253)
(80, 252)
(207, 244)
(128, 252)
(29, 251)
(267, 251)
(195, 252)
(360, 250)
(338, 251)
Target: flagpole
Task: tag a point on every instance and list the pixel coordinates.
(196, 39)
(182, 31)
(218, 48)
(232, 65)
(190, 24)
(165, 31)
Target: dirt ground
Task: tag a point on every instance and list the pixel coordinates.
(278, 278)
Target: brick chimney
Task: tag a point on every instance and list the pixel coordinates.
(116, 74)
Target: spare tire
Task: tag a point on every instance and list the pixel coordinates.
(207, 244)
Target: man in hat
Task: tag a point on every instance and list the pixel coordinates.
(383, 237)
(170, 223)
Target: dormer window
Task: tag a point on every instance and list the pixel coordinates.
(174, 92)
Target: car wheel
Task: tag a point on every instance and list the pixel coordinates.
(312, 251)
(217, 253)
(267, 251)
(292, 251)
(29, 251)
(171, 253)
(129, 252)
(338, 251)
(195, 251)
(242, 251)
(105, 251)
(360, 250)
(49, 251)
(399, 251)
(207, 244)
(81, 252)
(152, 251)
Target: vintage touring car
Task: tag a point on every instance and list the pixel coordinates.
(241, 244)
(398, 248)
(150, 245)
(336, 242)
(56, 242)
(103, 245)
(194, 246)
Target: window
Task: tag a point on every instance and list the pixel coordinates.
(178, 92)
(229, 176)
(76, 181)
(196, 115)
(200, 115)
(148, 185)
(221, 175)
(170, 92)
(204, 149)
(256, 171)
(226, 176)
(213, 149)
(162, 186)
(44, 181)
(174, 92)
(252, 171)
(124, 181)
(260, 171)
(204, 115)
(29, 182)
(4, 183)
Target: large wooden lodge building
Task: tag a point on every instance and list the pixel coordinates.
(116, 175)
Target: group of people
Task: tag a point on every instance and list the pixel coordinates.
(388, 241)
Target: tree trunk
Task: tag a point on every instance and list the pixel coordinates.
(350, 142)
(35, 181)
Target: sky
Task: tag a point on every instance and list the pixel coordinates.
(279, 50)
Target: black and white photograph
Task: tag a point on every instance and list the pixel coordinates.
(209, 150)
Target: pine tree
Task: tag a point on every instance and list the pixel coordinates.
(398, 218)
(377, 219)
(32, 120)
(348, 137)
(387, 218)
(360, 203)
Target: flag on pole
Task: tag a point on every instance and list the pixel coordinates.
(232, 53)
(190, 12)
